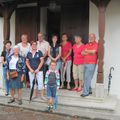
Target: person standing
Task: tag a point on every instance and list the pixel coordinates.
(90, 60)
(24, 46)
(54, 51)
(15, 74)
(34, 62)
(52, 82)
(66, 50)
(78, 61)
(42, 45)
(5, 54)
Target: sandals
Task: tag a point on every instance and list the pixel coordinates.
(11, 100)
(19, 102)
(74, 89)
(79, 90)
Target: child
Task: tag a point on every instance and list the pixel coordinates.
(52, 82)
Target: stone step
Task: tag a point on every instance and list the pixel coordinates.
(73, 99)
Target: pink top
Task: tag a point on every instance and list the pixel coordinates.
(65, 49)
(78, 57)
(91, 58)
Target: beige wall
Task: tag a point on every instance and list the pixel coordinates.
(112, 42)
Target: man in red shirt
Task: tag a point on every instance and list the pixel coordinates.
(90, 60)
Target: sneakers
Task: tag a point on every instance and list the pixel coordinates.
(83, 95)
(11, 100)
(49, 109)
(6, 94)
(19, 102)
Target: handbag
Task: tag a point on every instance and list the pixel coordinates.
(13, 74)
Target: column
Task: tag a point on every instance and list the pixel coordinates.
(101, 5)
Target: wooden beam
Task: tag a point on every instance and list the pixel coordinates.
(38, 18)
(1, 11)
(101, 5)
(7, 12)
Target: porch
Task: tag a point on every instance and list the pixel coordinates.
(70, 103)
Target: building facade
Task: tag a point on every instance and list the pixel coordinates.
(112, 32)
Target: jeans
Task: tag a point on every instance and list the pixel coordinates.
(51, 91)
(56, 103)
(89, 70)
(6, 82)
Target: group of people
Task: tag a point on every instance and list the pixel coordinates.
(51, 64)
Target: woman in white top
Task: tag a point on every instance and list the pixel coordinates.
(16, 64)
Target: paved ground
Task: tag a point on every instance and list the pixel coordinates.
(11, 113)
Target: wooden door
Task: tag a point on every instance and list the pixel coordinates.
(26, 23)
(75, 19)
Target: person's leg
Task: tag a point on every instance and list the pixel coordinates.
(12, 93)
(75, 76)
(56, 102)
(49, 95)
(19, 96)
(62, 75)
(53, 95)
(39, 76)
(68, 73)
(80, 71)
(6, 82)
(89, 72)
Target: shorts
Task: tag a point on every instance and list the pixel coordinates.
(78, 72)
(51, 91)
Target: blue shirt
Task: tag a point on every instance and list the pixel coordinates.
(35, 60)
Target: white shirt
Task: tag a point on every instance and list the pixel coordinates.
(24, 50)
(42, 46)
(12, 63)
